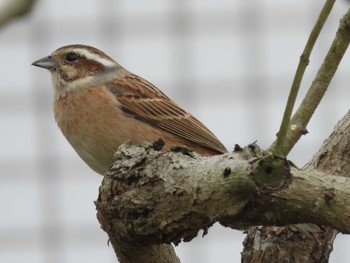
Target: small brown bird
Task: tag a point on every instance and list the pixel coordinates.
(99, 105)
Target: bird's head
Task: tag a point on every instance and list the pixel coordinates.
(77, 66)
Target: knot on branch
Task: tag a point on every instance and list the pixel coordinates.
(271, 173)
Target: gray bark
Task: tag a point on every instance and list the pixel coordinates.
(149, 198)
(284, 244)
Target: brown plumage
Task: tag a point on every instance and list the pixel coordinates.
(100, 105)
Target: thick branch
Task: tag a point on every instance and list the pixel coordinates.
(153, 197)
(276, 244)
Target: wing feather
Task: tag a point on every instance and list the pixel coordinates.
(142, 100)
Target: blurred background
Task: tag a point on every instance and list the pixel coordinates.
(230, 63)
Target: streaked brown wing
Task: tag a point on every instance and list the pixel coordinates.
(142, 100)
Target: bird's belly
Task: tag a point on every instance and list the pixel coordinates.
(88, 121)
(95, 127)
(98, 156)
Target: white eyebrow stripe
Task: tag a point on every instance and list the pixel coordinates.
(93, 56)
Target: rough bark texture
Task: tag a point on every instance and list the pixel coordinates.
(150, 198)
(286, 244)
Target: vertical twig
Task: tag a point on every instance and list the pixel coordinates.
(318, 87)
(303, 63)
(13, 9)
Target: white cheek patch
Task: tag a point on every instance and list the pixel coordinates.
(92, 56)
(63, 88)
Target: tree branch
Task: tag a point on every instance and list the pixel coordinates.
(14, 9)
(303, 63)
(276, 244)
(150, 198)
(318, 87)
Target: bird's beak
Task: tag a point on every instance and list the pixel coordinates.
(46, 62)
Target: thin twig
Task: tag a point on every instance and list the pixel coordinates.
(13, 9)
(317, 89)
(303, 63)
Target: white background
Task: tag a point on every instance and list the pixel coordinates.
(230, 63)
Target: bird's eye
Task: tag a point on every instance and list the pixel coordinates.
(71, 57)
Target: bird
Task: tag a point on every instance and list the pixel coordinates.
(99, 105)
